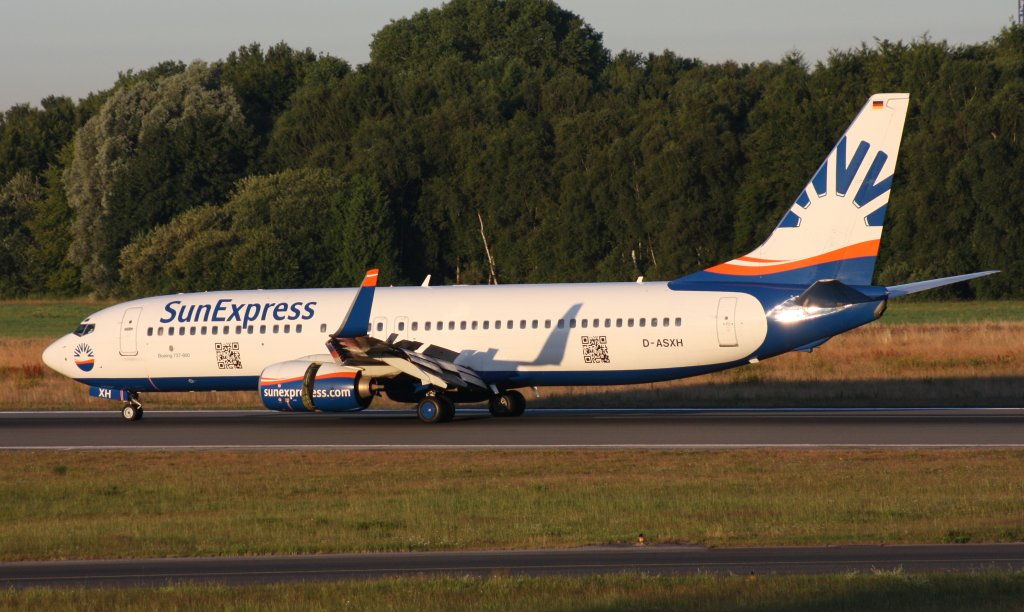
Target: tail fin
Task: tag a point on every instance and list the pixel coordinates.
(833, 229)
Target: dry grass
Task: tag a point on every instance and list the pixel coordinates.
(966, 364)
(67, 505)
(878, 591)
(977, 364)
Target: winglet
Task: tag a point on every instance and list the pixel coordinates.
(357, 321)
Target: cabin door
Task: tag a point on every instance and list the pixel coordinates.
(129, 332)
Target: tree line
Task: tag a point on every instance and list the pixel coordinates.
(495, 140)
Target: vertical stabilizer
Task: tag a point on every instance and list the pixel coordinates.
(833, 229)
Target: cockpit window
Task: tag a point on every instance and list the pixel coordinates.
(85, 329)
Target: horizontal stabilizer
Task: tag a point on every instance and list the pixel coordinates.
(907, 289)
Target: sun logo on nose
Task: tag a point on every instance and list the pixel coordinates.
(84, 357)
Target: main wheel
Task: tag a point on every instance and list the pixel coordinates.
(507, 404)
(500, 405)
(518, 403)
(435, 409)
(448, 409)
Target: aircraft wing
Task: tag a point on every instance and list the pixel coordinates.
(432, 365)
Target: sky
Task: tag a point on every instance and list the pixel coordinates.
(73, 47)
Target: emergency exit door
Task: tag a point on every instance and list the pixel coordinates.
(727, 322)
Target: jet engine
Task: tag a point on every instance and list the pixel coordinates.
(314, 386)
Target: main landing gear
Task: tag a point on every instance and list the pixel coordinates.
(435, 408)
(507, 404)
(132, 410)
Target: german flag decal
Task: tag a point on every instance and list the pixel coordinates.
(877, 104)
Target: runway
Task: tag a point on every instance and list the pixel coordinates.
(538, 428)
(661, 560)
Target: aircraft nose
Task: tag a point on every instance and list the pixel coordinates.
(56, 356)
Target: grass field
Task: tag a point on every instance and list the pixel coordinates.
(71, 505)
(882, 592)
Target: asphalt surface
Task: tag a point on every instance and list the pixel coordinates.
(538, 428)
(661, 560)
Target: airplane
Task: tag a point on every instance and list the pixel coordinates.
(439, 346)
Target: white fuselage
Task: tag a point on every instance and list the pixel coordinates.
(600, 333)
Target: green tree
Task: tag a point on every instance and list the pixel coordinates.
(155, 149)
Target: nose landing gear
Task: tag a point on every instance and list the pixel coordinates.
(132, 410)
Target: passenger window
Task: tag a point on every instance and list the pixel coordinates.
(401, 326)
(298, 328)
(415, 325)
(497, 325)
(213, 330)
(159, 331)
(629, 322)
(263, 329)
(474, 325)
(462, 325)
(618, 322)
(511, 324)
(227, 329)
(426, 326)
(181, 330)
(607, 322)
(679, 321)
(170, 331)
(597, 322)
(251, 329)
(149, 331)
(654, 321)
(202, 331)
(572, 323)
(547, 323)
(522, 323)
(664, 322)
(238, 329)
(287, 328)
(643, 322)
(451, 325)
(583, 323)
(487, 324)
(276, 328)
(561, 324)
(536, 323)
(380, 326)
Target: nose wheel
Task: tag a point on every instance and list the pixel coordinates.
(132, 410)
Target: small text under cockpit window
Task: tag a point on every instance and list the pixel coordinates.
(85, 329)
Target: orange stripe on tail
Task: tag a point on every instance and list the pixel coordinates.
(863, 249)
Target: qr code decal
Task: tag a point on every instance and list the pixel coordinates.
(228, 356)
(595, 349)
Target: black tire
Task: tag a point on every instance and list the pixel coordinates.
(518, 403)
(448, 409)
(500, 405)
(433, 409)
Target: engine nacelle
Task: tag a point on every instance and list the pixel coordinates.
(314, 386)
